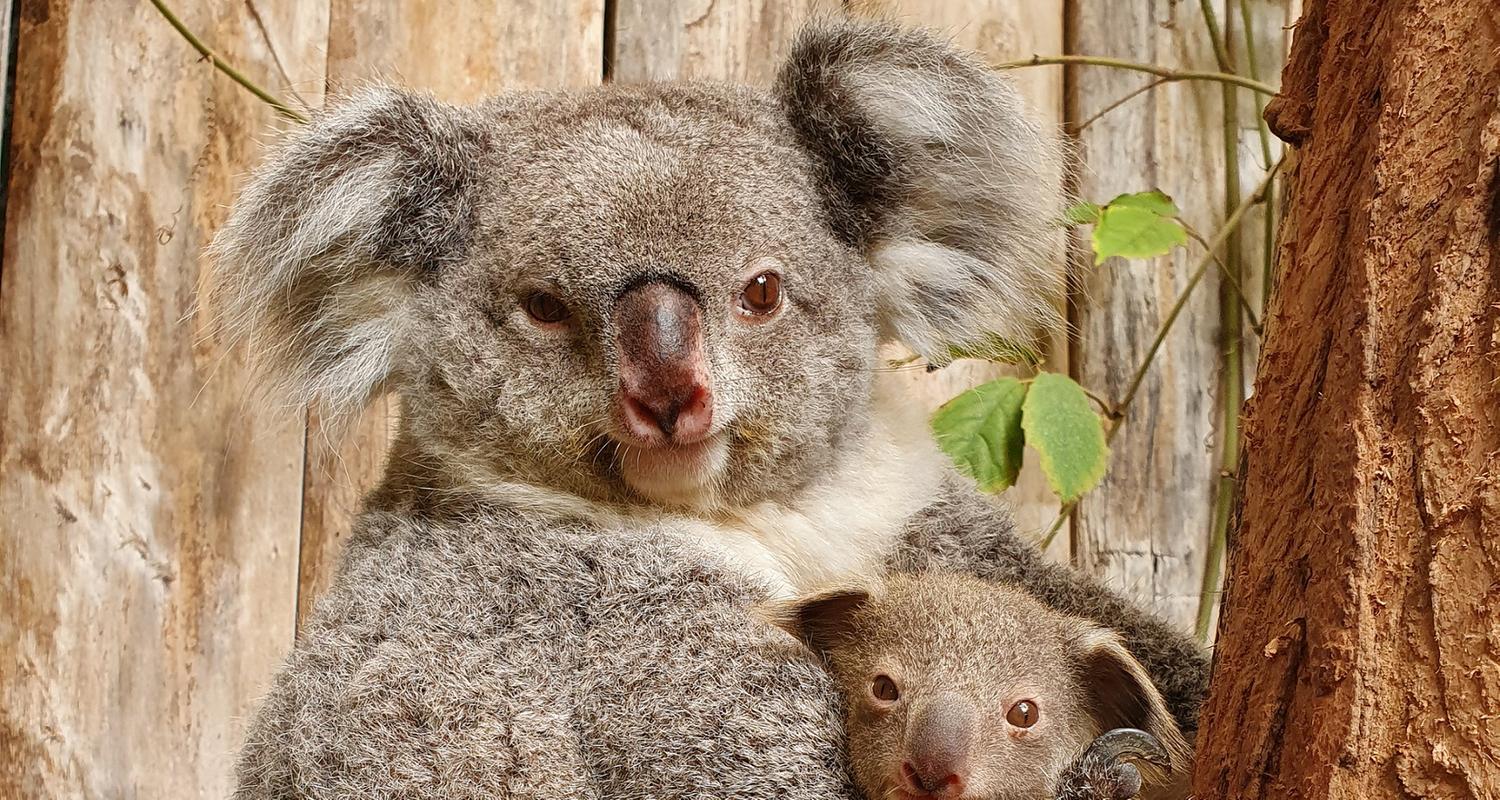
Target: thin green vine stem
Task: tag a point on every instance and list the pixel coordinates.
(1166, 73)
(1216, 37)
(1199, 270)
(1268, 222)
(224, 66)
(1239, 291)
(1231, 336)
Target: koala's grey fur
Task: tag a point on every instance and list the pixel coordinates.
(522, 611)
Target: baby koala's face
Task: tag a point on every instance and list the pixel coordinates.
(957, 688)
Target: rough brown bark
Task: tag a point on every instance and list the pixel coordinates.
(1359, 648)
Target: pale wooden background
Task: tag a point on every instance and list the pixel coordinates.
(160, 539)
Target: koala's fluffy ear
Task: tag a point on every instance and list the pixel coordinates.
(820, 620)
(1121, 694)
(931, 166)
(321, 255)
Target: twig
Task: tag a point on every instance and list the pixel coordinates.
(1224, 490)
(1122, 101)
(1165, 73)
(1099, 400)
(1199, 269)
(225, 67)
(1239, 291)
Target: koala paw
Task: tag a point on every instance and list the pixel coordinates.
(1104, 771)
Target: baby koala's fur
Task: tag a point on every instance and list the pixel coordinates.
(931, 663)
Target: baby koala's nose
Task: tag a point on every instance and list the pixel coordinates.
(939, 738)
(931, 781)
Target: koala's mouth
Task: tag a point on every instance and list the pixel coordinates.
(673, 474)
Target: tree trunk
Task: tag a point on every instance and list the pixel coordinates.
(1359, 649)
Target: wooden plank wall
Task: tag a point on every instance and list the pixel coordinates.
(149, 582)
(1145, 529)
(160, 539)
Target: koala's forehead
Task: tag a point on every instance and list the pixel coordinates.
(959, 628)
(618, 181)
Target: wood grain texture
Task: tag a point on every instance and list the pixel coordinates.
(148, 541)
(1145, 528)
(1271, 23)
(461, 52)
(1359, 643)
(707, 39)
(1000, 30)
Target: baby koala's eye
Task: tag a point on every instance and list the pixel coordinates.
(761, 296)
(1023, 714)
(884, 689)
(546, 308)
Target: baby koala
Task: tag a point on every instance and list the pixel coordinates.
(958, 688)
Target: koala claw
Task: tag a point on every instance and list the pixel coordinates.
(1104, 771)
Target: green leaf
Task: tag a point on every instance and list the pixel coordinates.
(1155, 201)
(1059, 424)
(981, 431)
(1084, 213)
(1134, 232)
(993, 348)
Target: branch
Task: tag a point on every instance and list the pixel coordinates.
(1239, 291)
(1122, 101)
(225, 67)
(1165, 73)
(1199, 269)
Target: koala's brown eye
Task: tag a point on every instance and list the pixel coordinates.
(1023, 714)
(547, 308)
(762, 294)
(884, 689)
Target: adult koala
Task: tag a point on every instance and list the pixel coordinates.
(634, 333)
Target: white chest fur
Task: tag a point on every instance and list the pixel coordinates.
(840, 528)
(845, 525)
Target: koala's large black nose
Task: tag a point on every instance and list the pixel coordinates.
(664, 387)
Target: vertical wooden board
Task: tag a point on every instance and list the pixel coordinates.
(1144, 530)
(1000, 30)
(707, 39)
(461, 52)
(148, 543)
(1270, 25)
(466, 50)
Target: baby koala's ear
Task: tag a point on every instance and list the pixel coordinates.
(1120, 693)
(822, 619)
(322, 252)
(929, 163)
